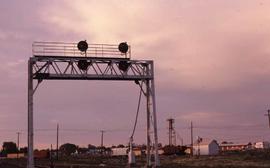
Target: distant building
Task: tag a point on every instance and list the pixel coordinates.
(262, 145)
(206, 148)
(15, 155)
(160, 151)
(41, 154)
(187, 151)
(93, 151)
(119, 151)
(137, 151)
(235, 147)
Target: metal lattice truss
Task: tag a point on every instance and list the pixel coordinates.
(67, 68)
(63, 61)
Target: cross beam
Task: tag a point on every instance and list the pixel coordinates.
(44, 67)
(67, 68)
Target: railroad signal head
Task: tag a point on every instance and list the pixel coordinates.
(82, 46)
(123, 47)
(123, 65)
(199, 140)
(137, 82)
(83, 64)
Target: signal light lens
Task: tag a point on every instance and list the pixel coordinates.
(124, 65)
(82, 46)
(123, 47)
(83, 64)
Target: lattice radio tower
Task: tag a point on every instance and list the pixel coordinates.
(172, 133)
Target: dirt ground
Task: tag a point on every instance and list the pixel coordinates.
(214, 162)
(235, 160)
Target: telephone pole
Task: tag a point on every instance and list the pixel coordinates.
(174, 137)
(191, 138)
(182, 141)
(18, 144)
(57, 141)
(179, 138)
(51, 158)
(102, 132)
(268, 114)
(101, 145)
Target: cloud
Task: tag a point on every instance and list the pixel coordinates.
(210, 59)
(105, 21)
(202, 49)
(199, 116)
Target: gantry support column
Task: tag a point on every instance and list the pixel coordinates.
(150, 95)
(157, 162)
(30, 156)
(148, 129)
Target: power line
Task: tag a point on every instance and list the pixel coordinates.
(232, 127)
(137, 113)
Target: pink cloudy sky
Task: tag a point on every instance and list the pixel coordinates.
(212, 67)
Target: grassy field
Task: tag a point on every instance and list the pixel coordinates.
(249, 159)
(244, 159)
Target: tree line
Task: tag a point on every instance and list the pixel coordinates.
(69, 148)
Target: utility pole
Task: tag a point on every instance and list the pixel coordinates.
(268, 114)
(191, 138)
(179, 138)
(102, 132)
(174, 137)
(18, 144)
(170, 120)
(199, 140)
(51, 158)
(182, 141)
(57, 141)
(101, 145)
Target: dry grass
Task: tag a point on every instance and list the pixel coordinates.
(248, 159)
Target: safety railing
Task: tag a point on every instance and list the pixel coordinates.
(71, 49)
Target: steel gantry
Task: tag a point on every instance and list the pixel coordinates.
(83, 61)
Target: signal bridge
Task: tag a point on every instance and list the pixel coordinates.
(83, 61)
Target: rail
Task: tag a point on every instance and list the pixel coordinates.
(70, 49)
